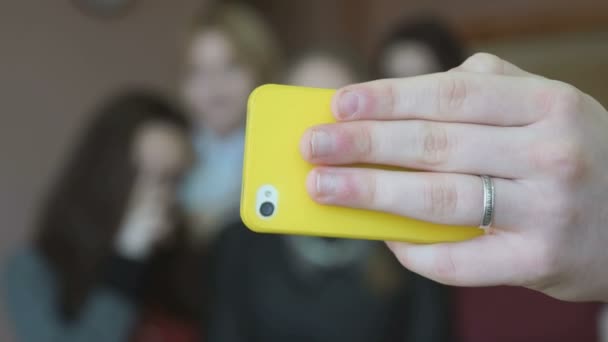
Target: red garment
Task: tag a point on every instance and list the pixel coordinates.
(512, 314)
(157, 327)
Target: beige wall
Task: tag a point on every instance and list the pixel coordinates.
(55, 64)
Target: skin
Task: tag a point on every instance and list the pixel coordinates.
(544, 143)
(161, 154)
(406, 59)
(321, 72)
(218, 83)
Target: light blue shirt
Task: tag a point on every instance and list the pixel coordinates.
(213, 187)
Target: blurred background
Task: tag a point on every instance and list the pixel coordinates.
(60, 59)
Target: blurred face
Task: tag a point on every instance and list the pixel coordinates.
(218, 84)
(406, 59)
(321, 72)
(161, 154)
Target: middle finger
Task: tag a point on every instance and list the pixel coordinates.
(422, 145)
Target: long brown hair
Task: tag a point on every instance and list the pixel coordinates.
(84, 209)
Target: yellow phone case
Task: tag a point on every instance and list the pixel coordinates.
(274, 176)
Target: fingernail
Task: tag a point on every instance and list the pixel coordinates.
(326, 184)
(348, 104)
(321, 143)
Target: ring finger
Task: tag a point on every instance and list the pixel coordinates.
(454, 199)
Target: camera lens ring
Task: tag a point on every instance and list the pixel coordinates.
(267, 209)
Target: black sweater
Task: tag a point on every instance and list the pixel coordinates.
(258, 297)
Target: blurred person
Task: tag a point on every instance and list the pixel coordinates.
(231, 51)
(324, 66)
(419, 46)
(110, 260)
(299, 288)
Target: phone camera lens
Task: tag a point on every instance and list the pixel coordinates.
(267, 209)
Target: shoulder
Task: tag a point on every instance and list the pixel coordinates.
(26, 265)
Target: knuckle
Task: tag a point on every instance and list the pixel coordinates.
(440, 200)
(452, 93)
(368, 194)
(560, 99)
(388, 97)
(362, 142)
(373, 190)
(435, 144)
(564, 160)
(485, 63)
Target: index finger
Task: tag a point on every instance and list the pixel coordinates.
(466, 97)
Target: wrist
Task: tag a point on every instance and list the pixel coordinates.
(133, 250)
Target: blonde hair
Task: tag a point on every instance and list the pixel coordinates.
(253, 40)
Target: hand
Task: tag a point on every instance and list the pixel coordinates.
(544, 142)
(146, 222)
(205, 225)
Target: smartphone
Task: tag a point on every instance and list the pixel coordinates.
(274, 197)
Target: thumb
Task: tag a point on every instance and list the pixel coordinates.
(484, 261)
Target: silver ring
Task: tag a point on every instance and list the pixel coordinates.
(488, 202)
